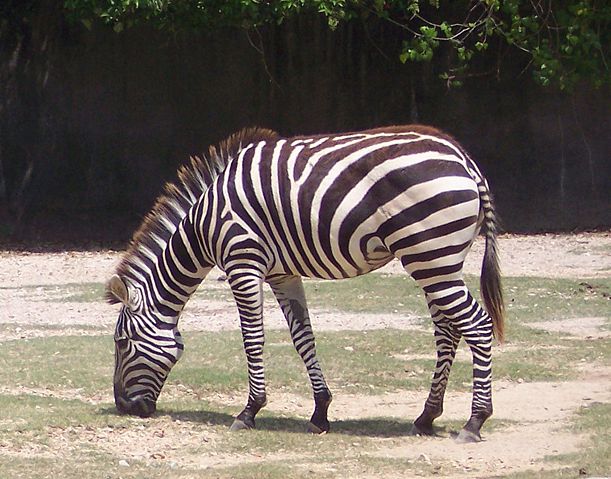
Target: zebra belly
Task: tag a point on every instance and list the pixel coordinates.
(373, 262)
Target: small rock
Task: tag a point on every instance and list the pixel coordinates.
(123, 463)
(424, 458)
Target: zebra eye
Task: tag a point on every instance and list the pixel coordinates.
(121, 341)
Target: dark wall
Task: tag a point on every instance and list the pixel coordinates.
(92, 123)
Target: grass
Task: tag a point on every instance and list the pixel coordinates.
(63, 293)
(60, 362)
(539, 299)
(354, 362)
(528, 298)
(216, 361)
(52, 384)
(596, 421)
(594, 458)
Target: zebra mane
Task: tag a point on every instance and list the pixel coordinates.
(193, 179)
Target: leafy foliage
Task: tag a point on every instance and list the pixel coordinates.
(201, 14)
(564, 41)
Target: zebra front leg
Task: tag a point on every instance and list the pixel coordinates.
(248, 294)
(446, 341)
(291, 297)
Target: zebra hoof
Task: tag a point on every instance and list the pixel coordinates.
(465, 437)
(314, 429)
(239, 425)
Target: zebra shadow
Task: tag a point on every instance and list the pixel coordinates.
(369, 427)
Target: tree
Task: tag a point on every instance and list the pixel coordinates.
(563, 41)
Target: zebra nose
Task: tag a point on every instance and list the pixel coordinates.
(142, 407)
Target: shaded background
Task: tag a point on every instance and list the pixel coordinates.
(93, 122)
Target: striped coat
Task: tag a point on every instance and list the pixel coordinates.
(270, 209)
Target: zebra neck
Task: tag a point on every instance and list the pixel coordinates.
(176, 272)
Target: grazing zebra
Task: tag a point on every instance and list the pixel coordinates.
(269, 209)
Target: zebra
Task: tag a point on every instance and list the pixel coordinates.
(268, 209)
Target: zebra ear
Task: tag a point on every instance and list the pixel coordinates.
(116, 291)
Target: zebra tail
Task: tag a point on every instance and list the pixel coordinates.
(490, 280)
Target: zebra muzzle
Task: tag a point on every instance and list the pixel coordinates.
(142, 407)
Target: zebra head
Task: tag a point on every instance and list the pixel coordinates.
(147, 346)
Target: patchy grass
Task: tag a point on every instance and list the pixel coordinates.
(537, 299)
(59, 362)
(595, 420)
(58, 418)
(57, 383)
(60, 293)
(370, 293)
(528, 298)
(352, 361)
(594, 458)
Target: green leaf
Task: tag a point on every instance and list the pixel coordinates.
(446, 29)
(429, 32)
(413, 7)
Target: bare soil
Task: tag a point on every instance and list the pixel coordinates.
(28, 307)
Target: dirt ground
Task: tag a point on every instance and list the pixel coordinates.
(27, 279)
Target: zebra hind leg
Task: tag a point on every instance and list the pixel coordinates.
(478, 336)
(291, 298)
(446, 341)
(469, 321)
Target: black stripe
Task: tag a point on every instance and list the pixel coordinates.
(424, 209)
(436, 232)
(442, 271)
(434, 254)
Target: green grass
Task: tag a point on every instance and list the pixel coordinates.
(32, 415)
(62, 362)
(539, 299)
(354, 362)
(87, 466)
(370, 293)
(215, 361)
(595, 420)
